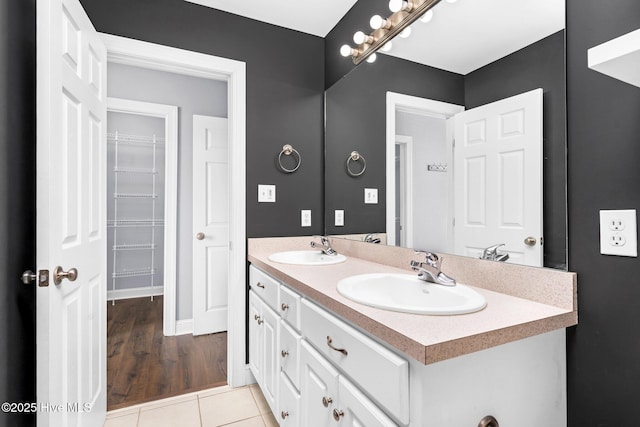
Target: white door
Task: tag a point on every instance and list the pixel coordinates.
(498, 178)
(210, 224)
(71, 221)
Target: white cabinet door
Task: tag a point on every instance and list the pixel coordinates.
(318, 388)
(271, 353)
(356, 410)
(288, 402)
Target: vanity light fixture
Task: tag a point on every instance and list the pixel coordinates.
(405, 12)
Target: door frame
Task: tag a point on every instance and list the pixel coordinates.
(149, 55)
(415, 105)
(406, 203)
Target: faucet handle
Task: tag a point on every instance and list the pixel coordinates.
(431, 257)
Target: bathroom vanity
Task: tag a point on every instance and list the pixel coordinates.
(322, 359)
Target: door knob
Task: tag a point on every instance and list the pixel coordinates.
(200, 236)
(41, 276)
(530, 241)
(59, 274)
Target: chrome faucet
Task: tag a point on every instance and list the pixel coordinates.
(324, 246)
(491, 253)
(371, 238)
(429, 271)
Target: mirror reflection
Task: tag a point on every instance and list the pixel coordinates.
(402, 114)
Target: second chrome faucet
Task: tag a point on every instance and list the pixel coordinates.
(430, 271)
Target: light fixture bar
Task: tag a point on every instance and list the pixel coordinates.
(399, 21)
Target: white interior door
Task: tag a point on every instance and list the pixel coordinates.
(498, 178)
(71, 221)
(210, 224)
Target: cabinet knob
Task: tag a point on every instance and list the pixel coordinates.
(284, 307)
(260, 285)
(284, 353)
(284, 414)
(337, 414)
(200, 236)
(326, 401)
(258, 319)
(488, 421)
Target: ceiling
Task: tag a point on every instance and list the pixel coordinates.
(461, 37)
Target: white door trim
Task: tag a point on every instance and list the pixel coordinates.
(169, 113)
(158, 57)
(406, 200)
(411, 104)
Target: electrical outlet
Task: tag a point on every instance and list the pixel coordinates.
(618, 232)
(371, 196)
(305, 218)
(339, 218)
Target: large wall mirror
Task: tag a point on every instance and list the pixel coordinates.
(402, 114)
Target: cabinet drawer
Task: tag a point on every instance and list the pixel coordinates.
(289, 307)
(264, 286)
(289, 354)
(382, 374)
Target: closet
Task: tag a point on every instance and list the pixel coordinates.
(135, 205)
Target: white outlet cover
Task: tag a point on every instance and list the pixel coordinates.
(371, 196)
(266, 193)
(339, 218)
(305, 218)
(618, 232)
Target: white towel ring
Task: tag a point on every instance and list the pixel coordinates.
(288, 150)
(355, 157)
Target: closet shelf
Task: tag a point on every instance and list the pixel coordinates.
(135, 170)
(136, 223)
(118, 138)
(134, 196)
(133, 247)
(134, 273)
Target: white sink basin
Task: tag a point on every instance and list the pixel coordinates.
(408, 294)
(306, 258)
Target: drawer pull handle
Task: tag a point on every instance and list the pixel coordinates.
(326, 401)
(340, 350)
(258, 319)
(337, 414)
(284, 414)
(284, 307)
(260, 285)
(284, 353)
(488, 421)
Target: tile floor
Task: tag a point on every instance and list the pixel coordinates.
(221, 406)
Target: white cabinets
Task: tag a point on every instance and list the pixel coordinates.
(304, 383)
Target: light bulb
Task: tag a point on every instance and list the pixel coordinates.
(451, 1)
(405, 33)
(346, 50)
(360, 37)
(371, 58)
(428, 16)
(376, 22)
(397, 5)
(386, 47)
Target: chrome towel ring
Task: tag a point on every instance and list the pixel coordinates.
(356, 157)
(288, 150)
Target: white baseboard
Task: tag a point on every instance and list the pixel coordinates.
(117, 294)
(184, 326)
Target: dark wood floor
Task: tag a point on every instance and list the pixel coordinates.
(144, 365)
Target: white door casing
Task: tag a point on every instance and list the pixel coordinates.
(210, 224)
(497, 162)
(71, 216)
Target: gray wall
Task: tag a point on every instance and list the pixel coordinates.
(604, 153)
(285, 81)
(192, 95)
(17, 206)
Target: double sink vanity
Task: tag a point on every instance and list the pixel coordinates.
(356, 338)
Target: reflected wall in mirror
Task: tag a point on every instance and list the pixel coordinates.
(355, 120)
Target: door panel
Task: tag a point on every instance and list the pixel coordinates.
(211, 218)
(71, 221)
(498, 178)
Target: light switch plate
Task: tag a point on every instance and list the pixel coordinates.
(618, 233)
(339, 218)
(266, 193)
(305, 218)
(371, 196)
